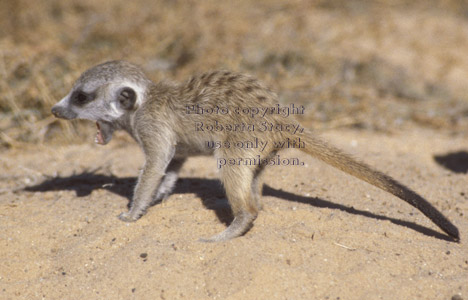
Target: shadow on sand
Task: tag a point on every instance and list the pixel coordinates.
(456, 162)
(210, 192)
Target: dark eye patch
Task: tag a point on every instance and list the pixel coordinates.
(80, 98)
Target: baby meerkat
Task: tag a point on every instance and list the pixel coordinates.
(174, 121)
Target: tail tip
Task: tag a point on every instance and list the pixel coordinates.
(454, 234)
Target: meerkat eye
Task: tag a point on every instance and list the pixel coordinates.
(81, 98)
(127, 98)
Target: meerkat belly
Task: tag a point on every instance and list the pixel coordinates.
(185, 150)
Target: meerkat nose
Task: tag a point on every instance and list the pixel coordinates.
(56, 112)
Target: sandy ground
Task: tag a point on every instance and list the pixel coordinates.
(322, 234)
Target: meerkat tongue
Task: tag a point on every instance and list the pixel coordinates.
(99, 138)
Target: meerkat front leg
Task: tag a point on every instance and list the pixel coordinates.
(157, 161)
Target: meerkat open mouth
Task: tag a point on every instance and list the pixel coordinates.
(104, 133)
(99, 139)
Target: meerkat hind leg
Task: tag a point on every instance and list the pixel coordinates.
(241, 224)
(237, 181)
(257, 187)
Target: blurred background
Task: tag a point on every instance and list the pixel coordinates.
(385, 66)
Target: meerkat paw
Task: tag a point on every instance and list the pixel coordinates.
(128, 217)
(239, 226)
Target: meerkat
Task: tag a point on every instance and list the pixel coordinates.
(173, 121)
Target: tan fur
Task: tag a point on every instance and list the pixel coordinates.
(159, 122)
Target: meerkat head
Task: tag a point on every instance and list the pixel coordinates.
(106, 94)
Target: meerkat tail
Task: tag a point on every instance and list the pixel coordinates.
(342, 161)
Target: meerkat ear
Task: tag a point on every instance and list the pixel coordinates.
(127, 98)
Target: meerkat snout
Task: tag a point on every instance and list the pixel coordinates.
(63, 113)
(164, 120)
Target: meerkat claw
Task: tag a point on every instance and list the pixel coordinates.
(238, 227)
(126, 217)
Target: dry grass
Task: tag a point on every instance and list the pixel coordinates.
(377, 65)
